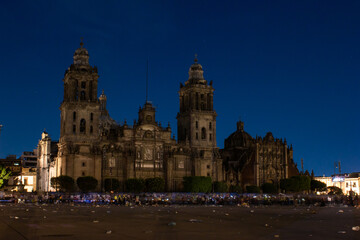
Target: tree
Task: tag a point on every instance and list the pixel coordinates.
(252, 189)
(304, 182)
(295, 184)
(317, 186)
(197, 184)
(54, 182)
(87, 183)
(156, 184)
(235, 188)
(5, 174)
(135, 185)
(269, 188)
(220, 187)
(111, 184)
(64, 183)
(334, 190)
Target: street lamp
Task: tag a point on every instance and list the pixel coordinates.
(0, 127)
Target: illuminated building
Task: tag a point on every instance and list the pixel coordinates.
(344, 182)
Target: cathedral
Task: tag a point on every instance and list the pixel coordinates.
(92, 144)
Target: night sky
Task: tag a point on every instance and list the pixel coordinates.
(289, 67)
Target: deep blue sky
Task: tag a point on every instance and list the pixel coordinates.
(289, 67)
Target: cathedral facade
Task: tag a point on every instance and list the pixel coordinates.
(92, 144)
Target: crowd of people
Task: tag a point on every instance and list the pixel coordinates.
(154, 199)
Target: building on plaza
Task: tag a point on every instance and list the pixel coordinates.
(347, 183)
(93, 144)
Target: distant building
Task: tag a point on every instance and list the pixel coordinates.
(255, 161)
(23, 177)
(15, 167)
(27, 180)
(345, 182)
(29, 159)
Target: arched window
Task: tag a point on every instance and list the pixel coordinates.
(74, 116)
(82, 126)
(82, 95)
(197, 124)
(210, 125)
(91, 116)
(203, 133)
(91, 129)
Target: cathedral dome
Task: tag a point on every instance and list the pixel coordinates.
(196, 73)
(81, 56)
(240, 138)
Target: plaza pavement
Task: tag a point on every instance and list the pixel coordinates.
(30, 221)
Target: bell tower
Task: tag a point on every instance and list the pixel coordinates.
(197, 118)
(80, 109)
(197, 122)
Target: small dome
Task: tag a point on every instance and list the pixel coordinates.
(196, 73)
(81, 55)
